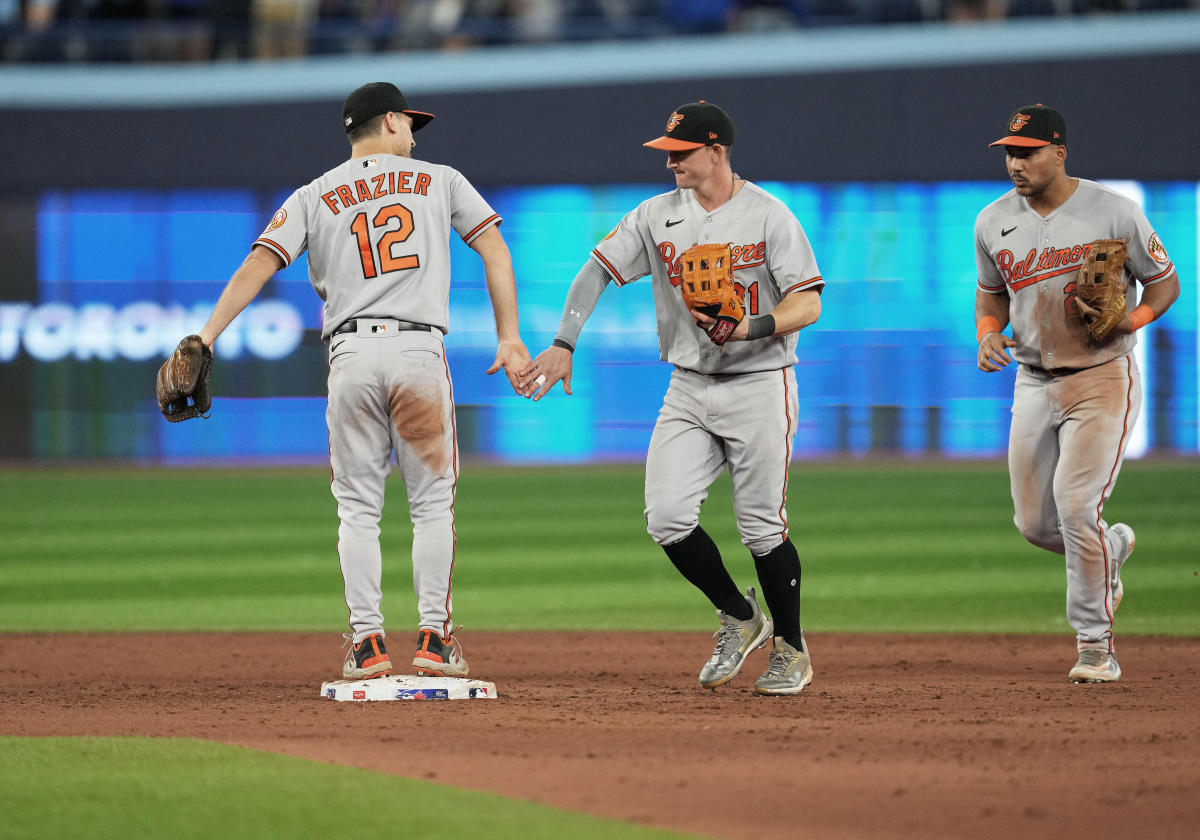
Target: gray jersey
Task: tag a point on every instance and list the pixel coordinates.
(374, 216)
(1036, 261)
(771, 258)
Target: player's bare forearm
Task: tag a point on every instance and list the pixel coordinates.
(993, 344)
(501, 284)
(988, 305)
(795, 312)
(1157, 298)
(511, 353)
(259, 266)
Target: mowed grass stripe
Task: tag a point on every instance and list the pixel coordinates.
(124, 788)
(906, 547)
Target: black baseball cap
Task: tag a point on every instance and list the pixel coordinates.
(377, 98)
(1034, 125)
(694, 125)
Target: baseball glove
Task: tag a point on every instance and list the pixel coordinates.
(1101, 285)
(186, 375)
(706, 281)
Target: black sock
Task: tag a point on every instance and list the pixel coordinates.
(779, 575)
(697, 558)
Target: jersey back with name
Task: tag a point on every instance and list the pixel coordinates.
(377, 233)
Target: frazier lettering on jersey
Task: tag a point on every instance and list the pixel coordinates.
(383, 184)
(1033, 268)
(742, 256)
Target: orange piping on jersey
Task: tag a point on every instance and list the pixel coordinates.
(992, 290)
(817, 279)
(1170, 267)
(277, 248)
(495, 217)
(1108, 489)
(787, 446)
(449, 625)
(1037, 278)
(616, 275)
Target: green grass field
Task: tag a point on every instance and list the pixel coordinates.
(179, 788)
(902, 547)
(908, 547)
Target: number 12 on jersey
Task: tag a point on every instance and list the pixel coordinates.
(394, 235)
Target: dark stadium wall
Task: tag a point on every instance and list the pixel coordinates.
(1126, 117)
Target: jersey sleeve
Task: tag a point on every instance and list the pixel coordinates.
(1146, 254)
(287, 233)
(989, 278)
(790, 258)
(623, 252)
(470, 214)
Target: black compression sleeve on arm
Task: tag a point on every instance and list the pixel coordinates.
(585, 290)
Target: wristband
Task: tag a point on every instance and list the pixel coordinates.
(761, 326)
(986, 324)
(1140, 317)
(558, 342)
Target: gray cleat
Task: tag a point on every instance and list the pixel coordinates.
(1096, 666)
(788, 671)
(1125, 535)
(735, 639)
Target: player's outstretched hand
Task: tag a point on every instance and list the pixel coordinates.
(518, 367)
(552, 365)
(991, 355)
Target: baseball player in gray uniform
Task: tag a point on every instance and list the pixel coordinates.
(1075, 401)
(377, 229)
(730, 405)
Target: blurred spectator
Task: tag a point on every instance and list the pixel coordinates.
(694, 16)
(969, 11)
(191, 30)
(230, 29)
(281, 27)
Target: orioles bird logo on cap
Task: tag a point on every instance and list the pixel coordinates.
(1018, 122)
(674, 121)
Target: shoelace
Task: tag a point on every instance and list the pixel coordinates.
(1092, 657)
(727, 639)
(778, 664)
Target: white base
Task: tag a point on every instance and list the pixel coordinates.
(409, 687)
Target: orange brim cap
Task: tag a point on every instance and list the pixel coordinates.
(670, 144)
(420, 119)
(1018, 140)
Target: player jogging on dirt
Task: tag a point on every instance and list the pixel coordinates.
(1076, 399)
(732, 400)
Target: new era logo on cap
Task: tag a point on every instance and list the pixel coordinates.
(1034, 125)
(694, 125)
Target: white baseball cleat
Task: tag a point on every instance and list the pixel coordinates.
(1125, 534)
(1095, 666)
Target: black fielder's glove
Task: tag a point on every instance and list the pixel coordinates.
(183, 377)
(706, 281)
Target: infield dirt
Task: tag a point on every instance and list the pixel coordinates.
(932, 736)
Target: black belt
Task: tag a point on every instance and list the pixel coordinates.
(1055, 372)
(401, 326)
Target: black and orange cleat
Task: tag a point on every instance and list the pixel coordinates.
(438, 657)
(367, 660)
